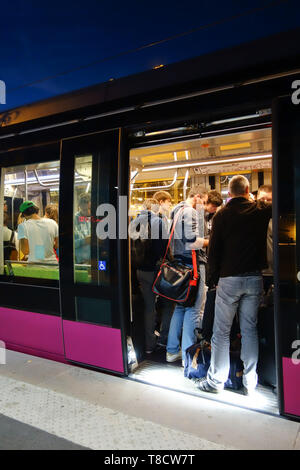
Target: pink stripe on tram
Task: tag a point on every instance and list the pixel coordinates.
(31, 330)
(291, 386)
(95, 345)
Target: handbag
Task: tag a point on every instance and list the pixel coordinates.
(175, 281)
(10, 252)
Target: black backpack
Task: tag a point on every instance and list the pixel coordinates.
(141, 246)
(9, 248)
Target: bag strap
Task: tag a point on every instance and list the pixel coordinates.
(11, 237)
(194, 256)
(172, 232)
(195, 267)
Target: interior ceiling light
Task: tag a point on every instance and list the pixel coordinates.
(209, 162)
(241, 145)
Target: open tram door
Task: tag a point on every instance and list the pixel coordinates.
(286, 220)
(90, 287)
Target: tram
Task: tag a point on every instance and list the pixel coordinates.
(111, 145)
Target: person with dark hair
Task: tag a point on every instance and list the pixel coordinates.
(164, 199)
(148, 244)
(213, 202)
(51, 212)
(82, 230)
(38, 235)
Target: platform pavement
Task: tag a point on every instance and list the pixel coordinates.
(69, 407)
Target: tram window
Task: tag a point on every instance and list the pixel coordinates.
(93, 310)
(90, 253)
(30, 221)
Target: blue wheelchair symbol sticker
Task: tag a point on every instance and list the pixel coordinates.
(102, 265)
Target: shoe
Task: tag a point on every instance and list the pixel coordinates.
(162, 342)
(204, 386)
(173, 357)
(248, 392)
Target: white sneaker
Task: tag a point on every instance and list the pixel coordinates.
(173, 357)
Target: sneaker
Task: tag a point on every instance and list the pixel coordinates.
(204, 386)
(173, 357)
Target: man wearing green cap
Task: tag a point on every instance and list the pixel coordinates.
(38, 236)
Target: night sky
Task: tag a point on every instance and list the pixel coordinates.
(40, 40)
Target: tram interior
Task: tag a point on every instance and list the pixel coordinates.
(175, 167)
(39, 183)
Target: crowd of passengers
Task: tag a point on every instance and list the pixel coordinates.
(36, 238)
(233, 242)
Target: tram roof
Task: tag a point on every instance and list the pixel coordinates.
(274, 54)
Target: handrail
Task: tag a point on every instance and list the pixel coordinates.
(185, 184)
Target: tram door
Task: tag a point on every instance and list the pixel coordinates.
(286, 198)
(92, 324)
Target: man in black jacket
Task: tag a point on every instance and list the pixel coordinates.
(237, 255)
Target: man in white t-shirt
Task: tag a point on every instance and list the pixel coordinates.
(38, 236)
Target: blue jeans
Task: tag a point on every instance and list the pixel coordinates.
(185, 320)
(242, 294)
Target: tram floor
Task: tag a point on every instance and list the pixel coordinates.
(156, 371)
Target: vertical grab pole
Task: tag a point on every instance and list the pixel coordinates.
(185, 184)
(26, 189)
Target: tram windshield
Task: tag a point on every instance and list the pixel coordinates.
(30, 221)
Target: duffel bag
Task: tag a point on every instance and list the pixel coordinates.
(197, 362)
